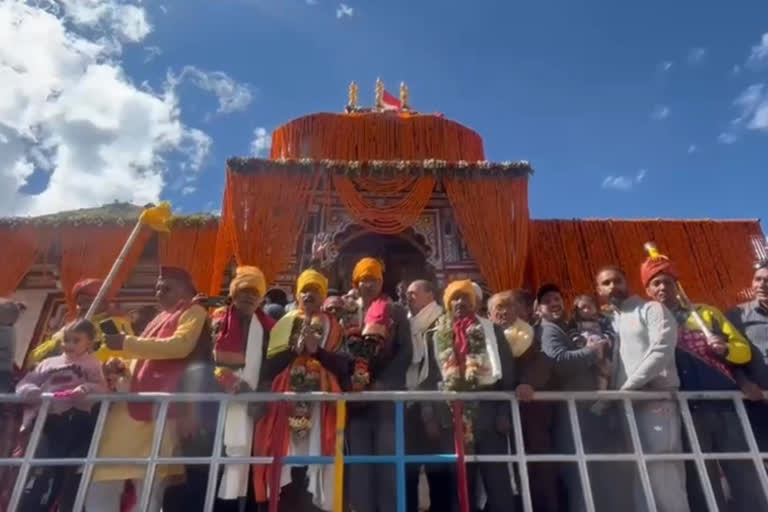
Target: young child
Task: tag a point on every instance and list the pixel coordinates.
(69, 425)
(588, 324)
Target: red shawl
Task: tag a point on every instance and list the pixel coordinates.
(230, 341)
(158, 375)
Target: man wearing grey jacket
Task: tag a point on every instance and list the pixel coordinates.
(644, 359)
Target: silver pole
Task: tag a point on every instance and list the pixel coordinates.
(149, 476)
(213, 473)
(93, 450)
(517, 425)
(700, 462)
(573, 415)
(29, 454)
(642, 466)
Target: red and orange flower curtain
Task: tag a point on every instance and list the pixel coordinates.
(262, 217)
(24, 244)
(493, 217)
(90, 251)
(371, 136)
(191, 247)
(570, 252)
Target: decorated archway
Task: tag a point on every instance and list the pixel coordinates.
(405, 256)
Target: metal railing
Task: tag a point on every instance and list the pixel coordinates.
(400, 459)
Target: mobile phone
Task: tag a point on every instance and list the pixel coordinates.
(109, 327)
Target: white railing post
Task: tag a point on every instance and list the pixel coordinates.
(578, 441)
(157, 439)
(522, 465)
(639, 454)
(218, 442)
(701, 465)
(29, 455)
(93, 450)
(754, 449)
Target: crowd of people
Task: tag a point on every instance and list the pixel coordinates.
(364, 340)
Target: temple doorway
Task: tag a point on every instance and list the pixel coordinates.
(404, 259)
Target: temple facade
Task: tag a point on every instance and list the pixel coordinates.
(411, 189)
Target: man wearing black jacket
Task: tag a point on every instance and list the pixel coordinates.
(371, 427)
(574, 369)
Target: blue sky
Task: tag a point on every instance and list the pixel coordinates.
(625, 109)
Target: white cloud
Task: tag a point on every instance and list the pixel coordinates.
(189, 189)
(697, 55)
(233, 96)
(261, 143)
(624, 182)
(736, 70)
(666, 65)
(727, 138)
(344, 10)
(311, 2)
(660, 112)
(692, 149)
(759, 54)
(151, 53)
(68, 110)
(754, 105)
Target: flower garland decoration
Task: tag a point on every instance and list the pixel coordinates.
(304, 378)
(362, 350)
(458, 376)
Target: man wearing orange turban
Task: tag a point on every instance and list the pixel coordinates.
(469, 353)
(382, 355)
(711, 360)
(307, 342)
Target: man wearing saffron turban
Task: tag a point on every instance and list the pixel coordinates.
(84, 292)
(382, 354)
(304, 355)
(469, 353)
(645, 360)
(240, 339)
(157, 363)
(707, 361)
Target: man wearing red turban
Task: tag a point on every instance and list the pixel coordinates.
(382, 356)
(708, 358)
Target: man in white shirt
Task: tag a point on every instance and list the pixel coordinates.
(644, 359)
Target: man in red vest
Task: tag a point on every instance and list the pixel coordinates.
(158, 359)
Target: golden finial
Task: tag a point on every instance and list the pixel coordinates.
(379, 98)
(353, 95)
(404, 96)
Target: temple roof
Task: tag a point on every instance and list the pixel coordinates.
(114, 214)
(387, 168)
